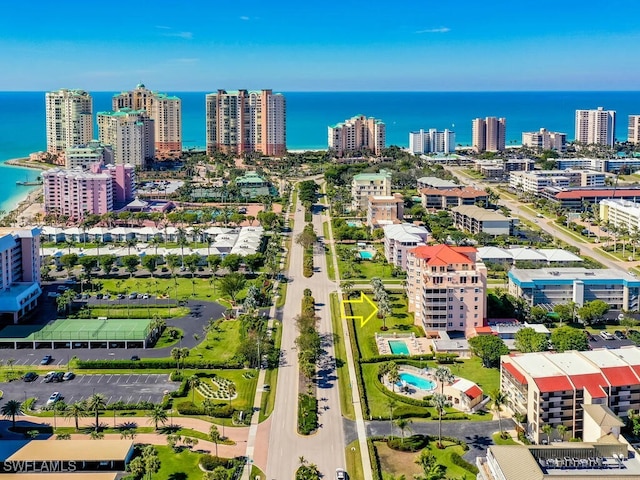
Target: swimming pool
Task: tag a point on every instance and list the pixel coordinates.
(365, 255)
(352, 223)
(418, 382)
(398, 347)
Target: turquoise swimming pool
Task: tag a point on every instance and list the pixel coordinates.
(398, 347)
(365, 254)
(418, 382)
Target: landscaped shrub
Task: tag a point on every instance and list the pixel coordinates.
(456, 459)
(446, 358)
(160, 363)
(375, 460)
(211, 462)
(307, 414)
(307, 263)
(189, 408)
(413, 443)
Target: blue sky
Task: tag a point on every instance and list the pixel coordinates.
(202, 45)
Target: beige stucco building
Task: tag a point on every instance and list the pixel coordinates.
(365, 185)
(69, 119)
(356, 134)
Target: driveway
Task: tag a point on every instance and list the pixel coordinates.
(128, 388)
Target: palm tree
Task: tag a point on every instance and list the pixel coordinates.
(182, 242)
(547, 430)
(214, 436)
(443, 375)
(11, 409)
(391, 403)
(194, 382)
(158, 415)
(440, 403)
(499, 399)
(393, 375)
(76, 410)
(403, 424)
(95, 403)
(562, 430)
(178, 354)
(130, 242)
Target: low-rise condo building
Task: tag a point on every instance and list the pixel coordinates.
(83, 156)
(399, 239)
(575, 199)
(552, 286)
(611, 165)
(19, 272)
(252, 186)
(474, 220)
(439, 199)
(385, 210)
(435, 182)
(432, 141)
(534, 182)
(558, 388)
(545, 140)
(365, 185)
(446, 288)
(357, 134)
(622, 214)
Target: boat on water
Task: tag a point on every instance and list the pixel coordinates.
(27, 183)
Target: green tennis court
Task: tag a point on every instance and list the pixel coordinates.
(78, 330)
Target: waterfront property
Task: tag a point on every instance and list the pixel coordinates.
(545, 140)
(398, 239)
(596, 126)
(131, 134)
(357, 134)
(446, 288)
(575, 199)
(69, 119)
(559, 388)
(442, 199)
(541, 256)
(401, 344)
(552, 286)
(489, 134)
(622, 214)
(432, 141)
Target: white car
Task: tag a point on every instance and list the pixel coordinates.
(341, 474)
(55, 396)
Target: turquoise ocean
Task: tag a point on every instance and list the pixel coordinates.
(22, 118)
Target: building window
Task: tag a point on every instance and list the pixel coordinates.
(462, 324)
(461, 307)
(450, 324)
(462, 315)
(450, 315)
(462, 290)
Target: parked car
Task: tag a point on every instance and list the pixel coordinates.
(135, 358)
(57, 377)
(68, 376)
(133, 296)
(49, 377)
(341, 474)
(29, 376)
(55, 396)
(53, 294)
(606, 335)
(46, 360)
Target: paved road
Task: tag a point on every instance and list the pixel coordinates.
(128, 388)
(326, 447)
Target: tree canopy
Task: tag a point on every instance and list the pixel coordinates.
(489, 348)
(569, 338)
(528, 340)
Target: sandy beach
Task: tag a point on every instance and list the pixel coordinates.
(25, 208)
(26, 163)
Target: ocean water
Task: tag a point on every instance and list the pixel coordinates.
(309, 113)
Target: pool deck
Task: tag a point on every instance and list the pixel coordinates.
(409, 390)
(416, 345)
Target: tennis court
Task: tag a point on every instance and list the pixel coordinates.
(79, 330)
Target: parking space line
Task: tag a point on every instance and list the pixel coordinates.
(146, 379)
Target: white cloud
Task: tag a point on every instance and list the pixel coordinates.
(245, 18)
(435, 30)
(163, 27)
(185, 35)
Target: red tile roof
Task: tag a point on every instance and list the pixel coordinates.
(597, 193)
(483, 330)
(473, 392)
(441, 255)
(509, 367)
(592, 383)
(620, 376)
(553, 384)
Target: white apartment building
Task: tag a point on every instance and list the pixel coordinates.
(446, 288)
(365, 185)
(243, 121)
(69, 119)
(399, 239)
(164, 110)
(633, 132)
(545, 140)
(130, 134)
(622, 214)
(356, 134)
(432, 141)
(489, 134)
(596, 126)
(534, 182)
(84, 155)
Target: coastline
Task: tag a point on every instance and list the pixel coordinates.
(18, 205)
(26, 163)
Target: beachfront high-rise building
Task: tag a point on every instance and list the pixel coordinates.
(130, 134)
(244, 121)
(633, 133)
(19, 272)
(77, 193)
(596, 126)
(446, 288)
(489, 134)
(432, 141)
(358, 134)
(545, 140)
(164, 110)
(69, 119)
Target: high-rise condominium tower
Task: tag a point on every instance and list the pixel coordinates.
(69, 120)
(356, 134)
(242, 121)
(595, 126)
(633, 134)
(130, 134)
(489, 134)
(164, 110)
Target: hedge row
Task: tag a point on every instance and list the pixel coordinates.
(160, 363)
(307, 263)
(190, 408)
(456, 459)
(388, 358)
(357, 356)
(375, 459)
(414, 443)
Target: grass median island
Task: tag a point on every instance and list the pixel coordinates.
(346, 392)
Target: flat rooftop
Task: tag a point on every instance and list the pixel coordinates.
(67, 450)
(570, 274)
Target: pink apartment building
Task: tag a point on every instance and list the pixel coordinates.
(76, 193)
(446, 288)
(385, 210)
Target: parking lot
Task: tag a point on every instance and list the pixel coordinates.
(128, 388)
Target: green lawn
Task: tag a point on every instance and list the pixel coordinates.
(182, 288)
(488, 379)
(498, 440)
(220, 345)
(401, 321)
(364, 269)
(178, 465)
(354, 461)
